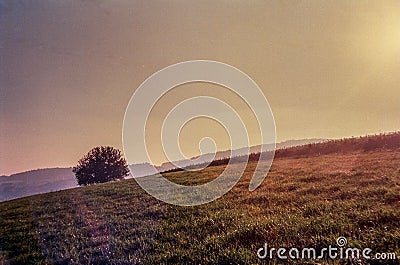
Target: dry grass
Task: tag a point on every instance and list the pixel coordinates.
(304, 202)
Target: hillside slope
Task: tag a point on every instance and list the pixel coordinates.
(53, 179)
(304, 202)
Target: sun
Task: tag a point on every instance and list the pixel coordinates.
(387, 37)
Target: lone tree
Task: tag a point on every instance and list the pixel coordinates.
(101, 164)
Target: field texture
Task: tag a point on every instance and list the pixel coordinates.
(306, 201)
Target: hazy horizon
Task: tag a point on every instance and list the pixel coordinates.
(34, 169)
(329, 69)
(70, 166)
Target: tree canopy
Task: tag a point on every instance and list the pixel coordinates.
(101, 164)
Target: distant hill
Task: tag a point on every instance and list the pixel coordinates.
(35, 182)
(54, 179)
(207, 158)
(383, 141)
(386, 141)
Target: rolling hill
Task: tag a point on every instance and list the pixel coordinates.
(54, 179)
(309, 199)
(35, 182)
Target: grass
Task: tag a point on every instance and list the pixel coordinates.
(304, 202)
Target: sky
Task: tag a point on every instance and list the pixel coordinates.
(329, 69)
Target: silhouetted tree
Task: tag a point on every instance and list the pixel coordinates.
(101, 164)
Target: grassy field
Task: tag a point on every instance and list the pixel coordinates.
(304, 202)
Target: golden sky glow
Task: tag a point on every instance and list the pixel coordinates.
(329, 69)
